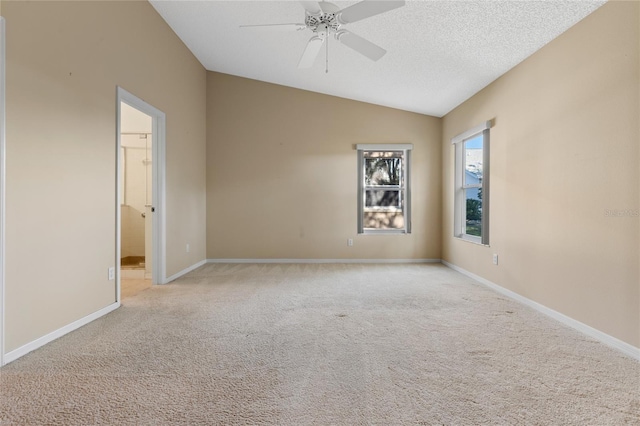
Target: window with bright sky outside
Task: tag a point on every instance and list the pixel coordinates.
(472, 189)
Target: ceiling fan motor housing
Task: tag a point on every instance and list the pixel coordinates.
(322, 22)
(327, 20)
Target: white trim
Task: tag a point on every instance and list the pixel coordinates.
(472, 132)
(184, 271)
(459, 214)
(608, 340)
(159, 184)
(3, 153)
(369, 231)
(159, 268)
(119, 166)
(381, 261)
(360, 195)
(384, 146)
(407, 191)
(460, 200)
(473, 239)
(404, 189)
(486, 186)
(25, 349)
(598, 335)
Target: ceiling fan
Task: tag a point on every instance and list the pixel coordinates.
(324, 19)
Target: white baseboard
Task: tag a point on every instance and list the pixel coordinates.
(608, 340)
(25, 349)
(602, 337)
(184, 271)
(323, 260)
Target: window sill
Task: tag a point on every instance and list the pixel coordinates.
(384, 232)
(470, 239)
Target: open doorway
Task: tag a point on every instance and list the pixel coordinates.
(140, 168)
(136, 200)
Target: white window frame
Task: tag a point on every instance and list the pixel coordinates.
(405, 191)
(460, 205)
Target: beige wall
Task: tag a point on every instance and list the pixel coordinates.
(281, 173)
(564, 151)
(64, 61)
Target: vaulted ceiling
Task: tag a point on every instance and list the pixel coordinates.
(439, 53)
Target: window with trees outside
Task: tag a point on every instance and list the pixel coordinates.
(471, 204)
(384, 196)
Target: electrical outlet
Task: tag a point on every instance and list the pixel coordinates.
(350, 242)
(188, 248)
(112, 273)
(495, 259)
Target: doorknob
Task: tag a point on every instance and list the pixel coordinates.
(153, 209)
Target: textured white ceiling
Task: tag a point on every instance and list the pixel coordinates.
(440, 53)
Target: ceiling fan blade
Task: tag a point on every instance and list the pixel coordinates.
(276, 27)
(311, 52)
(311, 6)
(366, 9)
(360, 45)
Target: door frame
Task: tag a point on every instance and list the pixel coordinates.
(3, 153)
(158, 160)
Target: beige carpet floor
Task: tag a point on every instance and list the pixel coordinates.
(322, 345)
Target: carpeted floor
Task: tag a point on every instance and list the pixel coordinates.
(322, 345)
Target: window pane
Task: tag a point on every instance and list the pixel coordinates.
(379, 198)
(473, 198)
(382, 186)
(473, 160)
(383, 220)
(382, 171)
